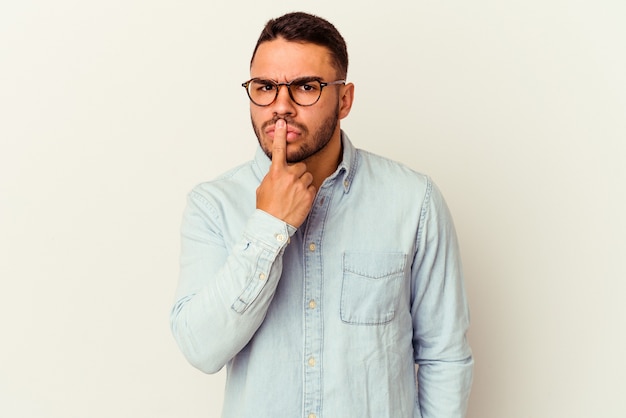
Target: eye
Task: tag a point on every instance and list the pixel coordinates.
(307, 86)
(267, 87)
(263, 86)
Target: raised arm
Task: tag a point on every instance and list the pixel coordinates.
(224, 293)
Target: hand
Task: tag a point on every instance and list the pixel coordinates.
(286, 192)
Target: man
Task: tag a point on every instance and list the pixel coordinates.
(318, 273)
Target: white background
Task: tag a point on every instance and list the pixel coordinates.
(110, 111)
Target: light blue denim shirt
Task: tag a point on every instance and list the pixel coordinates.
(329, 320)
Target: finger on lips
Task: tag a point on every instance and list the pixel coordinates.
(279, 146)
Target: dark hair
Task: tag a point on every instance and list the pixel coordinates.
(307, 28)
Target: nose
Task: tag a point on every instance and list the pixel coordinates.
(283, 105)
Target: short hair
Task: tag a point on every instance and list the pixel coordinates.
(307, 28)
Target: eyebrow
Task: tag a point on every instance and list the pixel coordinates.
(307, 78)
(298, 79)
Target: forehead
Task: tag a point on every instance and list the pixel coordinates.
(283, 60)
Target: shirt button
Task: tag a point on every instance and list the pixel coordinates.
(262, 276)
(311, 247)
(346, 183)
(311, 362)
(280, 237)
(312, 304)
(312, 416)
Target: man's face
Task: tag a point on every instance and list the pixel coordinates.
(309, 128)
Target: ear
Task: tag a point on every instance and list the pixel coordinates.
(345, 100)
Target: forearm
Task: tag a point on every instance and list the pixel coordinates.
(444, 387)
(223, 297)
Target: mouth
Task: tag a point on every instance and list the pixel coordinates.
(292, 132)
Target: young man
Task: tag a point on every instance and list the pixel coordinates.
(318, 273)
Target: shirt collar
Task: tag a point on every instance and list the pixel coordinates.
(349, 162)
(346, 169)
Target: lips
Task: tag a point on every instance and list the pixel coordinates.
(292, 133)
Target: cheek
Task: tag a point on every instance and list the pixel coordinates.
(319, 119)
(258, 116)
(257, 122)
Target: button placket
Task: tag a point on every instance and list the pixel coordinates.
(313, 285)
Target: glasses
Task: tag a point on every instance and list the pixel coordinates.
(303, 91)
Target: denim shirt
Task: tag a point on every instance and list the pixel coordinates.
(328, 320)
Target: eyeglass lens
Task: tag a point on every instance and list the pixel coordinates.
(304, 93)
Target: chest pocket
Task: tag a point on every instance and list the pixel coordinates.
(371, 286)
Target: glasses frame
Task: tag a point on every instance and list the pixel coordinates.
(246, 84)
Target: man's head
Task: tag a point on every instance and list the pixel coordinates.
(306, 28)
(299, 46)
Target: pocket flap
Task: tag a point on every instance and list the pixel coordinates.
(374, 265)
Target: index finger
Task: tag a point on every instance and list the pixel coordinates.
(279, 146)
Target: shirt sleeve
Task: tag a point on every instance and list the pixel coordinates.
(223, 294)
(440, 314)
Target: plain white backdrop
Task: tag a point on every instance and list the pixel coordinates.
(110, 112)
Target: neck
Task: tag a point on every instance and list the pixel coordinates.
(325, 162)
